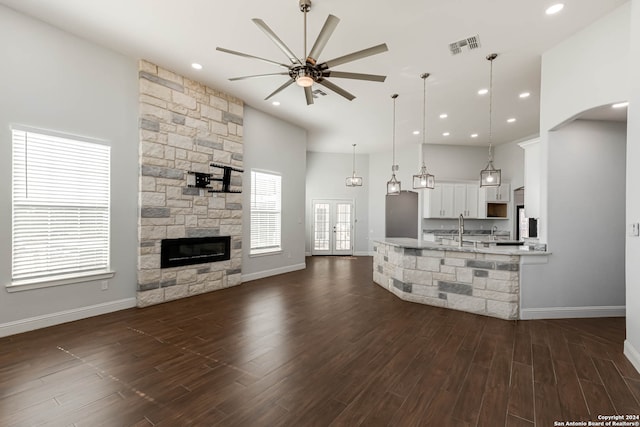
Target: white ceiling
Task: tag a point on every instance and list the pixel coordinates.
(176, 33)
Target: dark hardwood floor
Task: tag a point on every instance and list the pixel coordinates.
(320, 347)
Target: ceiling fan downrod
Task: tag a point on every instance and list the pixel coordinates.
(305, 6)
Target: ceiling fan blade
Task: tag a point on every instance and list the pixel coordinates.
(325, 33)
(281, 88)
(355, 76)
(283, 47)
(356, 55)
(258, 75)
(246, 55)
(309, 95)
(336, 89)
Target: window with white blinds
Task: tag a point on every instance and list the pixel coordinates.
(60, 206)
(266, 215)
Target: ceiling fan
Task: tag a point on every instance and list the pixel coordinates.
(309, 71)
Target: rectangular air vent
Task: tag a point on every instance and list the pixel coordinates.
(317, 93)
(470, 43)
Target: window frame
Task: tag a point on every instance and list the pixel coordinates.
(266, 251)
(79, 276)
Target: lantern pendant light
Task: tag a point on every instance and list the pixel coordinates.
(393, 185)
(353, 180)
(424, 179)
(490, 176)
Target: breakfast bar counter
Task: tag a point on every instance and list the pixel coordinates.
(482, 280)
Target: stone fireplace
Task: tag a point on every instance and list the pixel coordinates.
(184, 127)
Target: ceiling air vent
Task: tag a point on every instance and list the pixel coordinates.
(470, 43)
(318, 93)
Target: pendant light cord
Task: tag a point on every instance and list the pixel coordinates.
(491, 58)
(424, 114)
(354, 159)
(393, 166)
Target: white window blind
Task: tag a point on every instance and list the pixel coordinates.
(266, 216)
(60, 206)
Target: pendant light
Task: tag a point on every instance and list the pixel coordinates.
(353, 180)
(393, 185)
(490, 176)
(424, 179)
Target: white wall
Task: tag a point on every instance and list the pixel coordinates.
(579, 219)
(326, 174)
(52, 80)
(632, 344)
(585, 271)
(453, 162)
(586, 70)
(271, 144)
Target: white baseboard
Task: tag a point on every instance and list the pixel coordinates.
(307, 254)
(52, 319)
(572, 312)
(364, 253)
(632, 354)
(274, 272)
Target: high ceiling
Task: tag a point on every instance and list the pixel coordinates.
(174, 34)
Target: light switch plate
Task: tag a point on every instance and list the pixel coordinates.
(634, 229)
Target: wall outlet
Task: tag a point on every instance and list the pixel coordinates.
(104, 285)
(634, 229)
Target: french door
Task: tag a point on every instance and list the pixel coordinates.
(332, 232)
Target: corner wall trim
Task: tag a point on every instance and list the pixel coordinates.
(274, 272)
(572, 312)
(632, 354)
(52, 319)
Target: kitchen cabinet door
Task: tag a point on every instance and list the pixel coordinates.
(439, 202)
(472, 200)
(466, 200)
(498, 194)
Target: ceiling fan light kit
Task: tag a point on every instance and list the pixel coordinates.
(305, 73)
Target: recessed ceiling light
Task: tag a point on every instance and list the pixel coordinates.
(416, 132)
(196, 66)
(552, 10)
(511, 120)
(483, 91)
(620, 105)
(474, 135)
(446, 134)
(525, 95)
(444, 115)
(276, 103)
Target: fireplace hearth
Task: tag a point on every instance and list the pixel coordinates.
(194, 250)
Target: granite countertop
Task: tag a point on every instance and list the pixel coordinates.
(404, 242)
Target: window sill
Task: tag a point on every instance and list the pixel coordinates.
(45, 282)
(259, 254)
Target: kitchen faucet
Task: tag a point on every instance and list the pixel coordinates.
(460, 229)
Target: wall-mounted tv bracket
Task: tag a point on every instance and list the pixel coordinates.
(203, 180)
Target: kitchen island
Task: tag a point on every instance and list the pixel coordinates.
(472, 278)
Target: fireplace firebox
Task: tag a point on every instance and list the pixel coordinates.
(194, 250)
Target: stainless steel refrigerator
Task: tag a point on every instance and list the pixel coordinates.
(401, 215)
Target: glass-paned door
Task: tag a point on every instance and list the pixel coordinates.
(332, 227)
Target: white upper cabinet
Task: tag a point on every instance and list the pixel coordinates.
(466, 200)
(449, 200)
(439, 202)
(501, 193)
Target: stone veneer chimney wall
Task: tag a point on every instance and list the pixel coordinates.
(184, 126)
